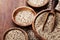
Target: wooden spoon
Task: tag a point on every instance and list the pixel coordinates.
(51, 7)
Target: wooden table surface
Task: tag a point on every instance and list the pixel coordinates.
(6, 9)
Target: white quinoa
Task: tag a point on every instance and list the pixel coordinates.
(37, 2)
(15, 35)
(58, 6)
(24, 17)
(31, 35)
(55, 35)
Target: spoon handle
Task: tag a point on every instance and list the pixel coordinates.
(51, 7)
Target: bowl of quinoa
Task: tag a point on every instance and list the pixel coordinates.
(46, 34)
(23, 16)
(15, 34)
(37, 3)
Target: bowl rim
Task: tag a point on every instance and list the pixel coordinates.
(24, 7)
(37, 6)
(10, 29)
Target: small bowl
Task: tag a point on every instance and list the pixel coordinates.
(36, 6)
(26, 16)
(18, 29)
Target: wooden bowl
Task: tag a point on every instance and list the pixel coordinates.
(31, 3)
(35, 28)
(52, 35)
(14, 29)
(25, 16)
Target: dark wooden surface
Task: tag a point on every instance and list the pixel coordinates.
(6, 9)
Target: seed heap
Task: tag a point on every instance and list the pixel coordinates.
(31, 35)
(15, 35)
(24, 17)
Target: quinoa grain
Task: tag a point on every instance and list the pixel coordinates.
(31, 35)
(24, 17)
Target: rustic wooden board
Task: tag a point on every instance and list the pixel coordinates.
(6, 8)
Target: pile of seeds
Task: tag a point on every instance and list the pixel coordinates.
(31, 35)
(24, 17)
(40, 20)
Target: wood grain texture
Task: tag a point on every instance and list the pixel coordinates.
(6, 9)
